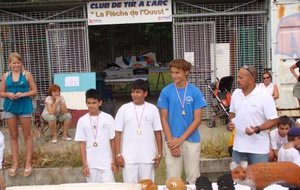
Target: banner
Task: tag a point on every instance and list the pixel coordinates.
(122, 12)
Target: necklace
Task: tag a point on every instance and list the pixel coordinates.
(94, 126)
(182, 102)
(139, 120)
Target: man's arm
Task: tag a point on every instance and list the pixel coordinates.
(230, 125)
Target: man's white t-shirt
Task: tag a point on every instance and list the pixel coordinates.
(252, 110)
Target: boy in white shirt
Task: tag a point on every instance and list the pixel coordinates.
(278, 136)
(138, 136)
(95, 133)
(289, 151)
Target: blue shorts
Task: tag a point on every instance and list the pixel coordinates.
(7, 115)
(237, 157)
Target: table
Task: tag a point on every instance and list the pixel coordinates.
(119, 186)
(117, 76)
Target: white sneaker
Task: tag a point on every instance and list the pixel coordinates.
(67, 138)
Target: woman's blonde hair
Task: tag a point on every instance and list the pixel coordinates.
(18, 56)
(15, 55)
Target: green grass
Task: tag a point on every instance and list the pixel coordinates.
(153, 79)
(61, 155)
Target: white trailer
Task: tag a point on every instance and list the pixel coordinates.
(285, 49)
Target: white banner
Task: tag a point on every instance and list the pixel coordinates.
(121, 12)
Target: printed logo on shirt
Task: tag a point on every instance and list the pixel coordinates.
(189, 100)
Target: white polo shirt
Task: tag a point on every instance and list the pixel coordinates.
(252, 110)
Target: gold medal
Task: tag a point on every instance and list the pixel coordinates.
(183, 112)
(95, 144)
(139, 131)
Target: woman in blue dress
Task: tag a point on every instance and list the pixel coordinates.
(17, 88)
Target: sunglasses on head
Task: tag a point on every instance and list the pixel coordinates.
(246, 67)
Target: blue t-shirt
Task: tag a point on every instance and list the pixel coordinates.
(179, 123)
(21, 106)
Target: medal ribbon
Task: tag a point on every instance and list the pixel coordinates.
(139, 120)
(184, 96)
(95, 126)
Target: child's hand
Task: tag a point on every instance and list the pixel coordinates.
(114, 168)
(86, 171)
(157, 160)
(120, 161)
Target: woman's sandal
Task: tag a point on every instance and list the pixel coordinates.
(27, 172)
(12, 172)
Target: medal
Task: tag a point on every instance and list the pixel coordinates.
(139, 119)
(182, 102)
(139, 131)
(95, 144)
(94, 127)
(183, 112)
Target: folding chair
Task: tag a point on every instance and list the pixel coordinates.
(41, 125)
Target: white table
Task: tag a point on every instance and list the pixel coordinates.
(116, 75)
(119, 186)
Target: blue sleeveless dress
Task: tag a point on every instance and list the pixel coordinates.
(21, 106)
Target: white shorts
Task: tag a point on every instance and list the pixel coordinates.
(100, 176)
(132, 173)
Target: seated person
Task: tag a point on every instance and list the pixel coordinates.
(278, 136)
(289, 151)
(56, 110)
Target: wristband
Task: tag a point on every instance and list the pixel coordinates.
(159, 156)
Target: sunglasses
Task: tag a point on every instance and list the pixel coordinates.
(266, 78)
(246, 67)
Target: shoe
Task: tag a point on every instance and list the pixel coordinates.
(27, 172)
(12, 172)
(67, 138)
(54, 141)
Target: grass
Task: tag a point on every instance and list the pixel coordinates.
(66, 154)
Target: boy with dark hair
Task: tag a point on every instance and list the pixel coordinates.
(95, 133)
(278, 136)
(138, 136)
(289, 152)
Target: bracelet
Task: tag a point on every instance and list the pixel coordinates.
(118, 155)
(159, 156)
